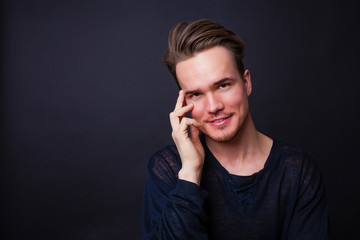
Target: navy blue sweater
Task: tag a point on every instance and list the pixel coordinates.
(285, 200)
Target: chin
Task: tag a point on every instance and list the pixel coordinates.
(221, 136)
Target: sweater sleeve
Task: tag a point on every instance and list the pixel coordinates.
(172, 208)
(310, 218)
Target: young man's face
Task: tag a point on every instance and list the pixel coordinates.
(212, 82)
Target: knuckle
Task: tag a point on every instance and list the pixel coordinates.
(186, 120)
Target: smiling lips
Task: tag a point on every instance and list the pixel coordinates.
(219, 121)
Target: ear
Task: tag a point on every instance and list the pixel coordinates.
(247, 82)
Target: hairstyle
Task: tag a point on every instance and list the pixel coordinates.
(187, 38)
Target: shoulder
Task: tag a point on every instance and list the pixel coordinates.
(167, 155)
(296, 160)
(165, 163)
(291, 154)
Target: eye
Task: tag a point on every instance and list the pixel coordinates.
(224, 85)
(195, 94)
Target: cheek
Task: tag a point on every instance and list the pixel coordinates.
(198, 110)
(235, 99)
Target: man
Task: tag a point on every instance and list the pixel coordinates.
(224, 179)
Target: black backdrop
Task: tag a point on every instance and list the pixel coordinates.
(85, 102)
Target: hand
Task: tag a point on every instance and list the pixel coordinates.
(191, 151)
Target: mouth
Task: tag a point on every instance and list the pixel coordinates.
(219, 121)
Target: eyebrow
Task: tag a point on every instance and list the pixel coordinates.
(222, 81)
(189, 92)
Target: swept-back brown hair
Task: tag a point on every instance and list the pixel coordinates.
(187, 38)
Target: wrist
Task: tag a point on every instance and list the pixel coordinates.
(190, 175)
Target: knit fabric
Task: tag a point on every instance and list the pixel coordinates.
(285, 200)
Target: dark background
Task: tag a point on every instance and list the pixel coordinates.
(85, 102)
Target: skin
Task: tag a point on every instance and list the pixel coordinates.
(216, 96)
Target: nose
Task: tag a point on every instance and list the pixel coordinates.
(214, 104)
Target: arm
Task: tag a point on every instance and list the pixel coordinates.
(310, 219)
(191, 151)
(172, 208)
(173, 200)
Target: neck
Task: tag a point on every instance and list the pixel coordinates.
(244, 154)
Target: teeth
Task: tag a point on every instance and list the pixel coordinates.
(220, 120)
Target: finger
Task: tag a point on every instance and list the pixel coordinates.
(180, 132)
(186, 122)
(177, 115)
(181, 111)
(180, 100)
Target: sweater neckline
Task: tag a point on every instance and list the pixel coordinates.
(268, 163)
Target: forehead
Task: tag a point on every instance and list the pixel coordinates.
(206, 67)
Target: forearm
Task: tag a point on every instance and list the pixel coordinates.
(180, 216)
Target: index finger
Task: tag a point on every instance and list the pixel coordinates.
(180, 100)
